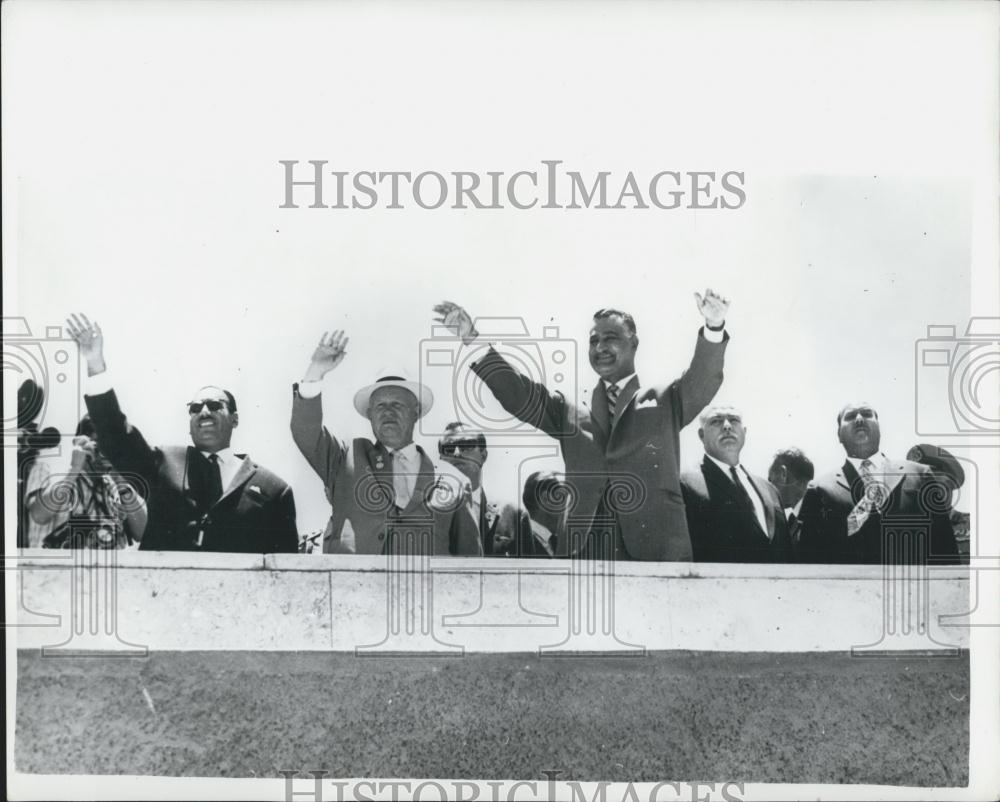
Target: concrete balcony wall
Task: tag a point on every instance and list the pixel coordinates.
(179, 601)
(215, 665)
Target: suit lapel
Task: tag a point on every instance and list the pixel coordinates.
(625, 398)
(848, 478)
(715, 478)
(247, 469)
(893, 474)
(768, 511)
(599, 414)
(380, 465)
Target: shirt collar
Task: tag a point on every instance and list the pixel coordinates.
(621, 382)
(878, 461)
(795, 510)
(225, 455)
(408, 451)
(540, 528)
(723, 466)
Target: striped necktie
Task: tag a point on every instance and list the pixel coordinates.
(874, 496)
(613, 390)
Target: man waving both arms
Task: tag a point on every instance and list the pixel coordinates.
(383, 488)
(621, 436)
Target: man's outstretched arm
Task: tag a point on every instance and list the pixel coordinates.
(323, 452)
(524, 399)
(690, 394)
(119, 441)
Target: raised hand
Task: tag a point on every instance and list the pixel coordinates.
(89, 338)
(83, 450)
(328, 354)
(457, 320)
(713, 308)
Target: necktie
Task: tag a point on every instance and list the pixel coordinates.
(401, 475)
(213, 483)
(612, 391)
(744, 497)
(872, 498)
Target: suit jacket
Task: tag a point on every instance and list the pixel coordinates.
(723, 529)
(632, 460)
(917, 503)
(357, 478)
(256, 513)
(498, 526)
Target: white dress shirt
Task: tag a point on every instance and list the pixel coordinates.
(476, 500)
(878, 461)
(405, 467)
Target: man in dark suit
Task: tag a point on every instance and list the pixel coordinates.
(733, 516)
(464, 448)
(386, 494)
(620, 445)
(203, 497)
(545, 498)
(875, 509)
(791, 472)
(951, 476)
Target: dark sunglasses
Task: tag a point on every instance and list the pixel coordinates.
(213, 406)
(455, 446)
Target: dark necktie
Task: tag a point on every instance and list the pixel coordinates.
(612, 391)
(213, 481)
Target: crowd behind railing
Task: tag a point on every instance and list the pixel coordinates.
(622, 495)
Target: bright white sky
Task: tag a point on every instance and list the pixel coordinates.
(142, 186)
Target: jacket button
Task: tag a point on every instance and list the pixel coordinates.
(381, 536)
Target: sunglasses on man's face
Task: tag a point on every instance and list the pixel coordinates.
(213, 406)
(457, 446)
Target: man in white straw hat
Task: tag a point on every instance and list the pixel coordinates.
(382, 489)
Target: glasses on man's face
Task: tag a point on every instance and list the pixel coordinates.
(213, 406)
(458, 446)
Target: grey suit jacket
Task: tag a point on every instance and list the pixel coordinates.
(357, 478)
(630, 463)
(917, 505)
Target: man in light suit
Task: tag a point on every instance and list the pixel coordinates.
(385, 494)
(733, 516)
(874, 508)
(203, 497)
(464, 448)
(620, 446)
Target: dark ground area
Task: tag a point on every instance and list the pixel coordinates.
(810, 718)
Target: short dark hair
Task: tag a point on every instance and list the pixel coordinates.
(86, 427)
(797, 463)
(230, 399)
(456, 428)
(843, 409)
(627, 319)
(543, 490)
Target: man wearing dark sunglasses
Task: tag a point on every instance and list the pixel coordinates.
(502, 529)
(203, 497)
